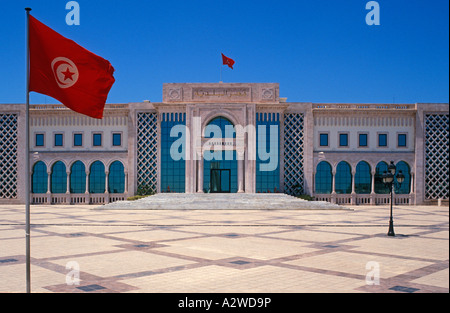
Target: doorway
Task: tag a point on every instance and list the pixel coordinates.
(220, 180)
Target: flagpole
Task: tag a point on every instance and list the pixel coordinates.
(27, 160)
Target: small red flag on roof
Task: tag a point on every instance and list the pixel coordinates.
(227, 61)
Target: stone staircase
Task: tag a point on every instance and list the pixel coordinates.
(231, 201)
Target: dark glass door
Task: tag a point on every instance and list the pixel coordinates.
(220, 181)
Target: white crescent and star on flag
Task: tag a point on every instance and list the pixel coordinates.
(65, 71)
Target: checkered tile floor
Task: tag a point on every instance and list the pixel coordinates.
(234, 251)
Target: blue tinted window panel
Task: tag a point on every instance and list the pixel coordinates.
(78, 140)
(323, 178)
(175, 170)
(323, 140)
(39, 178)
(343, 140)
(382, 140)
(58, 140)
(363, 178)
(97, 140)
(59, 178)
(267, 181)
(402, 140)
(97, 178)
(117, 140)
(39, 140)
(343, 184)
(363, 140)
(78, 178)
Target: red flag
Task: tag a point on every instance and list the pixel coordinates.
(227, 61)
(62, 69)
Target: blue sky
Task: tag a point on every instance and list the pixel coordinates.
(318, 51)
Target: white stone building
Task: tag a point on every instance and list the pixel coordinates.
(334, 152)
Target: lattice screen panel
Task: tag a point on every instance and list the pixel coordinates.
(8, 156)
(293, 153)
(147, 150)
(436, 156)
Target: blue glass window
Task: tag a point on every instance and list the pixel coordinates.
(343, 140)
(39, 178)
(381, 188)
(401, 140)
(116, 178)
(343, 184)
(173, 172)
(324, 178)
(323, 140)
(97, 140)
(78, 178)
(267, 152)
(363, 140)
(382, 140)
(225, 125)
(78, 140)
(97, 178)
(363, 178)
(117, 139)
(58, 140)
(405, 187)
(58, 178)
(39, 140)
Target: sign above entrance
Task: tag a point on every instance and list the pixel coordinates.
(221, 93)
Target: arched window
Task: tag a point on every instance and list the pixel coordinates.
(58, 178)
(363, 178)
(97, 178)
(343, 184)
(39, 178)
(381, 188)
(116, 178)
(78, 178)
(324, 178)
(405, 188)
(225, 125)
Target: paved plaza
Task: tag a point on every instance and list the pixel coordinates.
(226, 251)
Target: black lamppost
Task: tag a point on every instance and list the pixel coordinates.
(388, 180)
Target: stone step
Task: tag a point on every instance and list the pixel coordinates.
(230, 201)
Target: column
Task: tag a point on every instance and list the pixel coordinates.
(106, 200)
(333, 179)
(126, 183)
(49, 192)
(411, 191)
(87, 182)
(372, 192)
(68, 183)
(240, 172)
(200, 174)
(49, 174)
(353, 196)
(86, 193)
(106, 182)
(68, 187)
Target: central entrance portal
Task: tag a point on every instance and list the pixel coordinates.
(220, 181)
(221, 176)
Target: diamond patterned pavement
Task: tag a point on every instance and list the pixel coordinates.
(234, 251)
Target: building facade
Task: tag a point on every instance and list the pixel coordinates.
(226, 137)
